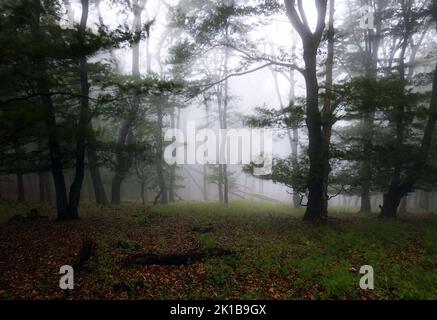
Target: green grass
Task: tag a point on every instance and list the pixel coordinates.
(277, 255)
(323, 259)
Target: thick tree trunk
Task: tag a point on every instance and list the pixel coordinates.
(365, 206)
(49, 110)
(400, 189)
(319, 163)
(317, 149)
(391, 201)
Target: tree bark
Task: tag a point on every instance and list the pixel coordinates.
(83, 125)
(225, 119)
(319, 159)
(401, 187)
(159, 160)
(96, 178)
(49, 110)
(41, 182)
(372, 40)
(328, 107)
(220, 183)
(123, 160)
(20, 187)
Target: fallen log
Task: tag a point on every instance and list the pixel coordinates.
(176, 259)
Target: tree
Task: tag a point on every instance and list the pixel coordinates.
(401, 185)
(318, 150)
(123, 159)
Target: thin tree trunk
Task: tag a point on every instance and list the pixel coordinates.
(328, 108)
(142, 192)
(220, 183)
(123, 160)
(96, 178)
(159, 160)
(205, 182)
(225, 121)
(295, 130)
(171, 188)
(41, 183)
(76, 186)
(20, 187)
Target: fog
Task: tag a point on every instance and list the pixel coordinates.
(271, 35)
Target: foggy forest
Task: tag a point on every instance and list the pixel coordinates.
(130, 158)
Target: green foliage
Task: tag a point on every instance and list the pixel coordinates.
(286, 118)
(127, 245)
(207, 240)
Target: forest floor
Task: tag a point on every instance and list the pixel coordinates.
(277, 255)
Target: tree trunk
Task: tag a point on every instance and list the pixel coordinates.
(319, 159)
(317, 199)
(225, 120)
(205, 182)
(49, 110)
(401, 189)
(41, 182)
(328, 107)
(160, 160)
(142, 192)
(123, 160)
(96, 178)
(366, 206)
(220, 183)
(172, 180)
(20, 187)
(391, 202)
(373, 40)
(83, 125)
